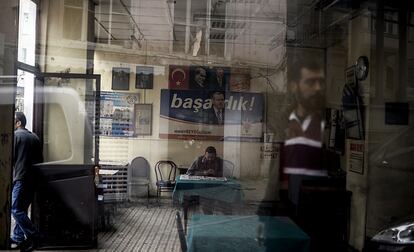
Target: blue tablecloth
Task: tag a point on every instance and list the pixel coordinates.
(245, 233)
(226, 191)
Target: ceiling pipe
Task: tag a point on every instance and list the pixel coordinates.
(141, 35)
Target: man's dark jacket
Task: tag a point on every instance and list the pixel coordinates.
(210, 116)
(27, 151)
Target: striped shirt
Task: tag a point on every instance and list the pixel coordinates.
(303, 148)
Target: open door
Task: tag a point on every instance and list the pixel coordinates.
(66, 118)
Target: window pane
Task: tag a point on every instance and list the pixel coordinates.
(27, 32)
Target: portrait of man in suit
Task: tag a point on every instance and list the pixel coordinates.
(219, 78)
(215, 115)
(198, 78)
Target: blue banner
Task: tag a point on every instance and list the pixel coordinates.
(214, 114)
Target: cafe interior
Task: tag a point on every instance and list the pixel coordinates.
(128, 97)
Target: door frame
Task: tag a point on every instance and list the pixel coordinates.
(38, 109)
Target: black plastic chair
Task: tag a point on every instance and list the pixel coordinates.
(165, 172)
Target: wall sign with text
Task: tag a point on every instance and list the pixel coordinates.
(117, 113)
(355, 156)
(191, 114)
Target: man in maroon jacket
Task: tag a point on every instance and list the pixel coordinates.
(303, 146)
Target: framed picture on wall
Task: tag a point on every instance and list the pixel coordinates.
(142, 119)
(120, 78)
(144, 77)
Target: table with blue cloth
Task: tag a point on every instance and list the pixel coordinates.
(227, 192)
(245, 233)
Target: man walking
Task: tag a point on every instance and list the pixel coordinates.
(27, 152)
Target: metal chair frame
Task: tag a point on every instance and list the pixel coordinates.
(165, 184)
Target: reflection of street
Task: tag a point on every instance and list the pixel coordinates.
(19, 106)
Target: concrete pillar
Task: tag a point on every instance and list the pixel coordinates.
(187, 26)
(8, 56)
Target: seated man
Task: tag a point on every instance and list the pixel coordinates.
(207, 165)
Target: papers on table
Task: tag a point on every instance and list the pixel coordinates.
(188, 177)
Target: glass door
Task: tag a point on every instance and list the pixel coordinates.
(66, 118)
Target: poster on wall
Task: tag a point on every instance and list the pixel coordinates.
(120, 78)
(178, 77)
(142, 119)
(355, 156)
(144, 77)
(239, 80)
(213, 115)
(219, 78)
(270, 151)
(117, 113)
(197, 77)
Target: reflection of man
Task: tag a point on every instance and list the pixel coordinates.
(215, 115)
(199, 79)
(303, 147)
(218, 79)
(207, 165)
(27, 151)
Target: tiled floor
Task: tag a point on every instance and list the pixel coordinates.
(140, 228)
(152, 227)
(137, 227)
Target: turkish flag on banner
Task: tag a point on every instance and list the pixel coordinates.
(178, 77)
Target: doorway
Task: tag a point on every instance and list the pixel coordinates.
(65, 116)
